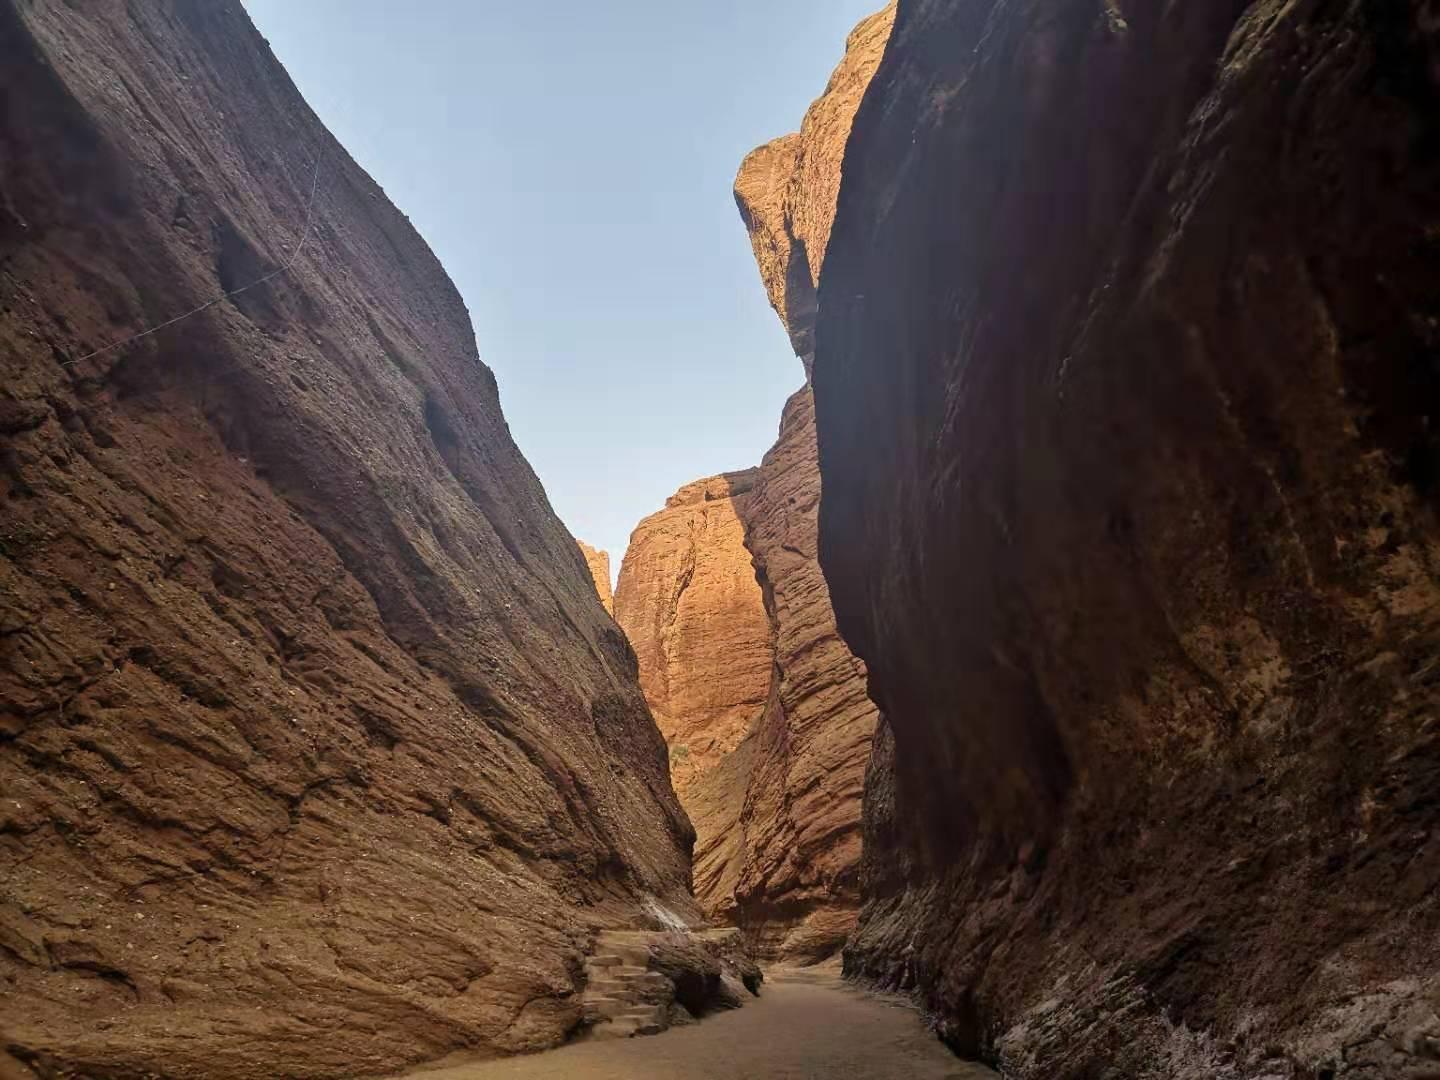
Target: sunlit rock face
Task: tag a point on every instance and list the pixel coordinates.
(689, 603)
(722, 598)
(1124, 387)
(598, 563)
(317, 755)
(799, 891)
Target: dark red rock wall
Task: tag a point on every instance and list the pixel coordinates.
(318, 753)
(1125, 385)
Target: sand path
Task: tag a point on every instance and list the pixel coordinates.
(806, 1024)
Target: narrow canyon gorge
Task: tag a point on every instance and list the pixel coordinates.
(1068, 668)
(721, 595)
(688, 601)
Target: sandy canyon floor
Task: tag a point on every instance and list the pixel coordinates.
(806, 1023)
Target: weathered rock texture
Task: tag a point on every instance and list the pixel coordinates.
(599, 564)
(722, 598)
(786, 190)
(798, 891)
(317, 754)
(1125, 384)
(688, 601)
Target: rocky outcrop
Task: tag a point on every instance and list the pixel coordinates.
(317, 754)
(798, 891)
(644, 982)
(1124, 388)
(688, 601)
(786, 190)
(598, 563)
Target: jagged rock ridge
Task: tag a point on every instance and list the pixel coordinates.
(598, 563)
(318, 755)
(1124, 386)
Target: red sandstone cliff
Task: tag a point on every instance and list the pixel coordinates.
(317, 754)
(722, 598)
(598, 563)
(799, 890)
(1125, 384)
(689, 603)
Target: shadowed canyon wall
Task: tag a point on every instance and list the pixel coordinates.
(316, 746)
(1125, 378)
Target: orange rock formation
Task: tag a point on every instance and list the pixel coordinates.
(599, 565)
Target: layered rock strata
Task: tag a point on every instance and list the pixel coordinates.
(317, 754)
(798, 892)
(598, 563)
(722, 598)
(689, 603)
(1124, 383)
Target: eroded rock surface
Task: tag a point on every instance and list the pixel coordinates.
(1124, 384)
(786, 189)
(598, 563)
(688, 601)
(763, 705)
(798, 892)
(318, 756)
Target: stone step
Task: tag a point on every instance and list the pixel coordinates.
(618, 980)
(621, 977)
(611, 993)
(636, 952)
(605, 1008)
(633, 957)
(604, 978)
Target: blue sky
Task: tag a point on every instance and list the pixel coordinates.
(571, 165)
